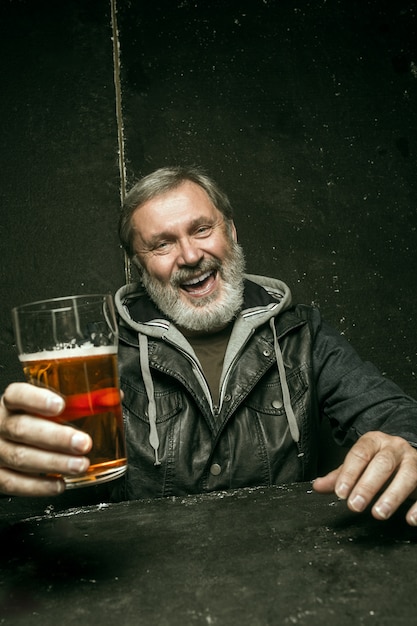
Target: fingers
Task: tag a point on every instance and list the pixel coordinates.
(17, 484)
(32, 448)
(32, 452)
(375, 462)
(326, 484)
(26, 397)
(411, 516)
(43, 447)
(372, 462)
(359, 480)
(25, 473)
(396, 493)
(42, 433)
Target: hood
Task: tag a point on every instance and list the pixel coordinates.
(138, 313)
(264, 299)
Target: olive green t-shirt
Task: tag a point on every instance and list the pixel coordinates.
(210, 350)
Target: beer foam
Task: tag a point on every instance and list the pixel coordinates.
(74, 352)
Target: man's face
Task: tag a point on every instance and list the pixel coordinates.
(192, 266)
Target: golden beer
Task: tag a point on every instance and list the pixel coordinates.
(87, 378)
(69, 345)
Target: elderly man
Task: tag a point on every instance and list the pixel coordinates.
(224, 380)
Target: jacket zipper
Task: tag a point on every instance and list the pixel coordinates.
(229, 370)
(196, 368)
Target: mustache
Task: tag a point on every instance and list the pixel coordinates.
(185, 274)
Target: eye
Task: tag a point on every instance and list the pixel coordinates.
(162, 247)
(203, 230)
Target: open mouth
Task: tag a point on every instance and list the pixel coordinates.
(200, 285)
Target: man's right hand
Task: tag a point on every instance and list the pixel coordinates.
(32, 448)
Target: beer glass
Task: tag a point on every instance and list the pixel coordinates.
(70, 346)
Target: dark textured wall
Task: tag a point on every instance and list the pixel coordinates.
(59, 175)
(304, 111)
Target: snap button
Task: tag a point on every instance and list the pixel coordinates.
(215, 469)
(267, 352)
(227, 397)
(277, 404)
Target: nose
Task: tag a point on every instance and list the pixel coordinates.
(189, 253)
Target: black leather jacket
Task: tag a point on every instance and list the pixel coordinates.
(284, 370)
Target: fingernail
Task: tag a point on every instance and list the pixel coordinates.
(77, 466)
(358, 503)
(383, 509)
(80, 442)
(413, 519)
(54, 403)
(342, 491)
(59, 486)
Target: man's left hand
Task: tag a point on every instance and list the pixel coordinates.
(374, 461)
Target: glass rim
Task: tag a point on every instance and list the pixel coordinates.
(63, 299)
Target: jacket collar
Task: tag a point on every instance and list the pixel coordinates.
(263, 298)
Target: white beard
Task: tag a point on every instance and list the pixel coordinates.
(207, 313)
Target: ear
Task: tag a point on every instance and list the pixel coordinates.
(137, 264)
(233, 230)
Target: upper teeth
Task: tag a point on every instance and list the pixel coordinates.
(198, 279)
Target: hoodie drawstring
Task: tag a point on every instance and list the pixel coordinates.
(292, 422)
(148, 382)
(147, 379)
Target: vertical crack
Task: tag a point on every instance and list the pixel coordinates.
(119, 119)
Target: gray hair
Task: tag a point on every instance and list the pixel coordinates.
(158, 183)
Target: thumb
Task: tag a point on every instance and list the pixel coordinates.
(327, 483)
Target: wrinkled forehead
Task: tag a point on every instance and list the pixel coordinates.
(184, 191)
(187, 202)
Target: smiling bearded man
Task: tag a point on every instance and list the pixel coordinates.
(233, 393)
(207, 312)
(186, 251)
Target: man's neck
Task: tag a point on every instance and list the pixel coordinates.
(204, 333)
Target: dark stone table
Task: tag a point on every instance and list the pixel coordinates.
(262, 556)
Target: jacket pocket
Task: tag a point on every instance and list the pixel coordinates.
(267, 397)
(144, 479)
(267, 422)
(135, 401)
